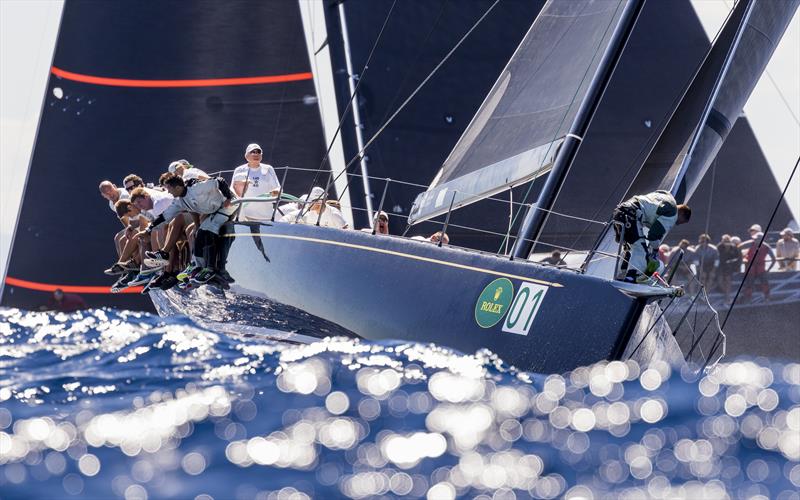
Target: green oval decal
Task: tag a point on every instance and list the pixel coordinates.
(493, 302)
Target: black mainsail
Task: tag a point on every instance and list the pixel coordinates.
(516, 133)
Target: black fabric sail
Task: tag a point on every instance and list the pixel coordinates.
(710, 107)
(680, 159)
(515, 134)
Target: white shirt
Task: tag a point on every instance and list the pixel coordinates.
(331, 217)
(193, 173)
(123, 195)
(259, 181)
(161, 200)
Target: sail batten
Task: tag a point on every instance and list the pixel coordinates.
(516, 132)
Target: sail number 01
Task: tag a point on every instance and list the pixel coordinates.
(524, 308)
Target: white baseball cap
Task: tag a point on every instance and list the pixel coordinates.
(174, 165)
(251, 147)
(317, 193)
(755, 227)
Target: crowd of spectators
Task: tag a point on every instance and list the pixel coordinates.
(715, 265)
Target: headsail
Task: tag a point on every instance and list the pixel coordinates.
(710, 106)
(762, 30)
(515, 134)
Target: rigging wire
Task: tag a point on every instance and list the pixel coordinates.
(414, 61)
(413, 64)
(415, 91)
(760, 243)
(347, 109)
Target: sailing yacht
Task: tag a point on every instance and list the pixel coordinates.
(530, 126)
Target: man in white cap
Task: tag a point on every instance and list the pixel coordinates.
(186, 171)
(317, 211)
(787, 251)
(255, 179)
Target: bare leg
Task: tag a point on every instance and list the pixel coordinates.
(130, 249)
(174, 232)
(118, 240)
(191, 230)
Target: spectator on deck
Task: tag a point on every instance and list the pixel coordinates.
(439, 236)
(323, 213)
(254, 179)
(787, 251)
(757, 252)
(66, 302)
(730, 261)
(381, 224)
(706, 260)
(738, 241)
(679, 259)
(317, 212)
(754, 229)
(663, 254)
(434, 238)
(554, 260)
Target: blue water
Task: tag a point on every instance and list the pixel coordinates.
(105, 404)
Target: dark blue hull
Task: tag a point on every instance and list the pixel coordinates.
(534, 317)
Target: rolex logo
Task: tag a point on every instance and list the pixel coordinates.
(498, 292)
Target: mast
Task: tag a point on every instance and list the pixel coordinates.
(359, 126)
(687, 160)
(537, 213)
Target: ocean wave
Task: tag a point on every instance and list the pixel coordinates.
(107, 403)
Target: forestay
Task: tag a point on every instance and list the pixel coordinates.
(514, 136)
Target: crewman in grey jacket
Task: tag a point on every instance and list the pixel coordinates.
(642, 222)
(211, 198)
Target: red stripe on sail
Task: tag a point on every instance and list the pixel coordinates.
(207, 82)
(47, 287)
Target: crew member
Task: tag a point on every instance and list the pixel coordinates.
(182, 168)
(642, 222)
(212, 198)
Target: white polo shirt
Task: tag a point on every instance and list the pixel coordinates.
(260, 181)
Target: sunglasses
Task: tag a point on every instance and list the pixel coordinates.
(133, 186)
(383, 219)
(255, 152)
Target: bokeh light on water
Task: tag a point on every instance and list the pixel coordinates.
(110, 404)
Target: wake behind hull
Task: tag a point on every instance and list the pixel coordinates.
(383, 288)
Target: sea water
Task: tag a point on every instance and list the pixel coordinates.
(104, 404)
